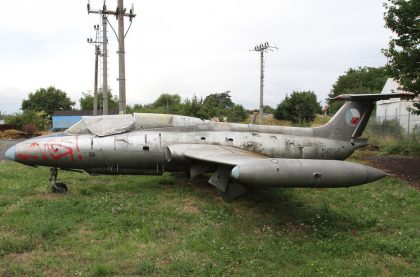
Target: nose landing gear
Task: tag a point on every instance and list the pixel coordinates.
(56, 187)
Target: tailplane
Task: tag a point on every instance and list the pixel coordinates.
(352, 118)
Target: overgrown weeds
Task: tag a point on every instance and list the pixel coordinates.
(392, 145)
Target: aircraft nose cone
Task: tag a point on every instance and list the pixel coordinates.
(10, 154)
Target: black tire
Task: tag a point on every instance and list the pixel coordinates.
(59, 188)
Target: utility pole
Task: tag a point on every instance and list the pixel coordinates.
(95, 42)
(121, 57)
(262, 48)
(104, 13)
(104, 62)
(119, 13)
(260, 117)
(95, 92)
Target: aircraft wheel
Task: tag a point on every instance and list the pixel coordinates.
(59, 188)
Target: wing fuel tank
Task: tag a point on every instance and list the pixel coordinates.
(305, 173)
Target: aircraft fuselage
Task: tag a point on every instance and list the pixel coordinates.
(145, 152)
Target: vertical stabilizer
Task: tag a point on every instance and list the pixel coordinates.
(351, 120)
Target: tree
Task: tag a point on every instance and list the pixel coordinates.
(192, 107)
(86, 101)
(47, 100)
(166, 99)
(299, 107)
(136, 108)
(269, 109)
(168, 103)
(357, 80)
(236, 114)
(216, 105)
(219, 100)
(403, 53)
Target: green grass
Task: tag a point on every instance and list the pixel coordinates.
(405, 146)
(162, 226)
(320, 120)
(392, 145)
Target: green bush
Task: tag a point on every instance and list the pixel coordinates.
(216, 105)
(299, 107)
(28, 117)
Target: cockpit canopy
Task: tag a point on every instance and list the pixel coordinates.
(106, 125)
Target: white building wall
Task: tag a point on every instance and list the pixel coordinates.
(396, 108)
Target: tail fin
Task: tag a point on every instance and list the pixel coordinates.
(350, 121)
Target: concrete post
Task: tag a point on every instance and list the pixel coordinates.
(121, 58)
(260, 121)
(95, 89)
(105, 65)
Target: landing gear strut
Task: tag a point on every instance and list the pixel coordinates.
(229, 190)
(56, 187)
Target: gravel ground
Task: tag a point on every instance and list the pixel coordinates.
(6, 144)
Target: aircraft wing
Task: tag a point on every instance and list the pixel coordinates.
(217, 154)
(223, 157)
(256, 169)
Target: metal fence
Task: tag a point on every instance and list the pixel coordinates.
(399, 126)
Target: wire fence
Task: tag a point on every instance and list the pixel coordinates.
(398, 126)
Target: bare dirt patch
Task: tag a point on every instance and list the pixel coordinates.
(189, 206)
(404, 167)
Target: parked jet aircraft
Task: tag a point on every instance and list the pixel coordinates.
(237, 155)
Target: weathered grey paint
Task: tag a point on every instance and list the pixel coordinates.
(305, 173)
(152, 144)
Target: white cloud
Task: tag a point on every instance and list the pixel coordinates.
(9, 96)
(190, 47)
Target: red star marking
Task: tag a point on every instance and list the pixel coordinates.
(354, 120)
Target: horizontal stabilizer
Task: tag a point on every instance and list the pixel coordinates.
(372, 97)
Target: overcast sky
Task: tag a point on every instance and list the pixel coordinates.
(190, 47)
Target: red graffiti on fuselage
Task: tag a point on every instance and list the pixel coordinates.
(54, 150)
(32, 149)
(56, 154)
